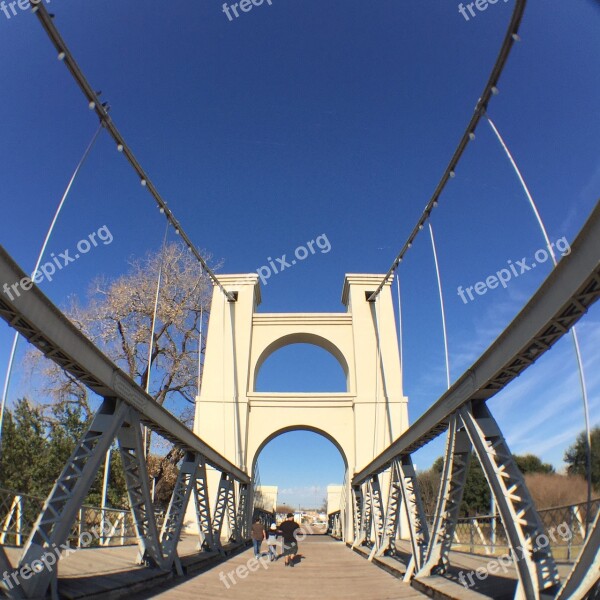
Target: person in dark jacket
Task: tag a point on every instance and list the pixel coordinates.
(290, 545)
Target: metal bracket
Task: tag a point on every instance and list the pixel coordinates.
(417, 523)
(138, 488)
(171, 529)
(377, 514)
(243, 517)
(232, 520)
(53, 525)
(535, 565)
(586, 571)
(358, 498)
(221, 508)
(454, 477)
(202, 503)
(392, 515)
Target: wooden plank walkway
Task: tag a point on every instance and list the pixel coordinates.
(328, 569)
(498, 586)
(325, 570)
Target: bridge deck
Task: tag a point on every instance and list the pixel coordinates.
(325, 569)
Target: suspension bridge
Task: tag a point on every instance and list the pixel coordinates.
(380, 543)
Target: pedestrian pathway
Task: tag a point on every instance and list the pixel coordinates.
(325, 570)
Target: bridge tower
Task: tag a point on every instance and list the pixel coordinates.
(238, 421)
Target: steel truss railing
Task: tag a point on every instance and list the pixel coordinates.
(125, 408)
(565, 525)
(110, 526)
(564, 297)
(337, 519)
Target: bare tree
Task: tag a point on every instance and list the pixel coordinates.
(118, 319)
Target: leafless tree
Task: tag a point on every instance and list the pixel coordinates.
(117, 317)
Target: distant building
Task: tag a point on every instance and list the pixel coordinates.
(334, 498)
(266, 497)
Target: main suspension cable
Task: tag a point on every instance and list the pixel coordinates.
(40, 257)
(101, 109)
(490, 90)
(574, 336)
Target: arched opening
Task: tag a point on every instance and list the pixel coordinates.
(296, 467)
(303, 364)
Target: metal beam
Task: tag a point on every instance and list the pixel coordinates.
(53, 525)
(358, 504)
(221, 505)
(534, 562)
(378, 515)
(171, 529)
(34, 316)
(392, 515)
(138, 489)
(586, 572)
(243, 516)
(101, 109)
(202, 504)
(415, 514)
(564, 297)
(232, 521)
(510, 37)
(452, 485)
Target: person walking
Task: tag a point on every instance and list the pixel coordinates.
(290, 545)
(257, 534)
(272, 536)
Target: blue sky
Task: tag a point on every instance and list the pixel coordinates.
(332, 117)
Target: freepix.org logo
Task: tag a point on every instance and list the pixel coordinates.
(512, 270)
(244, 6)
(467, 10)
(48, 270)
(300, 254)
(8, 8)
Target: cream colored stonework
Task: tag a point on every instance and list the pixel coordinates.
(238, 421)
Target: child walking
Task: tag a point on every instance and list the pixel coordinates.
(272, 541)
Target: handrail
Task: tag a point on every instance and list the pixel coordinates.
(37, 319)
(562, 299)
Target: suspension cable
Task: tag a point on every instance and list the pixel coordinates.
(442, 307)
(101, 109)
(65, 195)
(574, 336)
(400, 332)
(490, 90)
(145, 428)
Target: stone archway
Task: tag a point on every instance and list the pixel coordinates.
(299, 338)
(279, 432)
(255, 454)
(235, 419)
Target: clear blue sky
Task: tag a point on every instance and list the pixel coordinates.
(332, 117)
